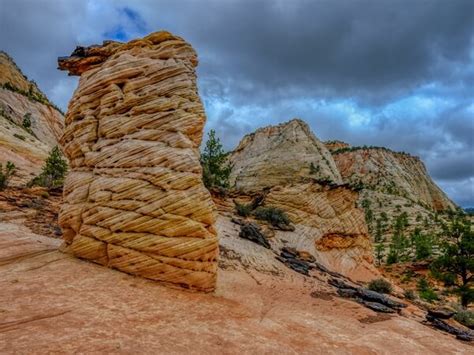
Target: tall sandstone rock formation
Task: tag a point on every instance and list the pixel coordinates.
(134, 199)
(26, 147)
(300, 177)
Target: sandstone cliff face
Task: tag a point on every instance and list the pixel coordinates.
(26, 148)
(328, 223)
(282, 154)
(392, 173)
(134, 199)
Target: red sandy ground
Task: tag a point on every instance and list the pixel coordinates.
(53, 303)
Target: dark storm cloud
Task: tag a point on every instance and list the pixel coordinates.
(366, 49)
(397, 73)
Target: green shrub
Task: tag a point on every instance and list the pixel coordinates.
(429, 295)
(425, 291)
(409, 295)
(314, 169)
(465, 317)
(380, 285)
(27, 120)
(6, 174)
(53, 171)
(273, 215)
(243, 210)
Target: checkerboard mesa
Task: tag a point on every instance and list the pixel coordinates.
(134, 198)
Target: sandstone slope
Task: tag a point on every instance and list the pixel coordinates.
(19, 97)
(134, 199)
(392, 186)
(53, 303)
(299, 176)
(393, 173)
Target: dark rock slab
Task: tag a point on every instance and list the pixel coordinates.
(375, 306)
(442, 325)
(441, 313)
(285, 227)
(338, 283)
(252, 232)
(372, 296)
(347, 292)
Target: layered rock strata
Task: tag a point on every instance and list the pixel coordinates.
(392, 173)
(298, 175)
(134, 199)
(276, 155)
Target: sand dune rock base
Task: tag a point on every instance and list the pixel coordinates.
(134, 199)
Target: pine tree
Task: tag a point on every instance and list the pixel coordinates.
(423, 244)
(455, 266)
(379, 252)
(215, 168)
(53, 171)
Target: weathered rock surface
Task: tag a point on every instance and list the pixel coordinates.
(19, 97)
(297, 174)
(391, 185)
(328, 225)
(392, 173)
(54, 303)
(134, 199)
(278, 155)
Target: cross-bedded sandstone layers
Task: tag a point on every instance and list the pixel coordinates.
(297, 174)
(134, 199)
(278, 155)
(401, 174)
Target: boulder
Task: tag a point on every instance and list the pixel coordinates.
(134, 198)
(252, 232)
(442, 312)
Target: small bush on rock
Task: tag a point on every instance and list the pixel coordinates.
(465, 317)
(243, 210)
(380, 285)
(273, 215)
(410, 295)
(426, 292)
(6, 174)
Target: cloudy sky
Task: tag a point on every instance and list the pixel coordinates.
(397, 73)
